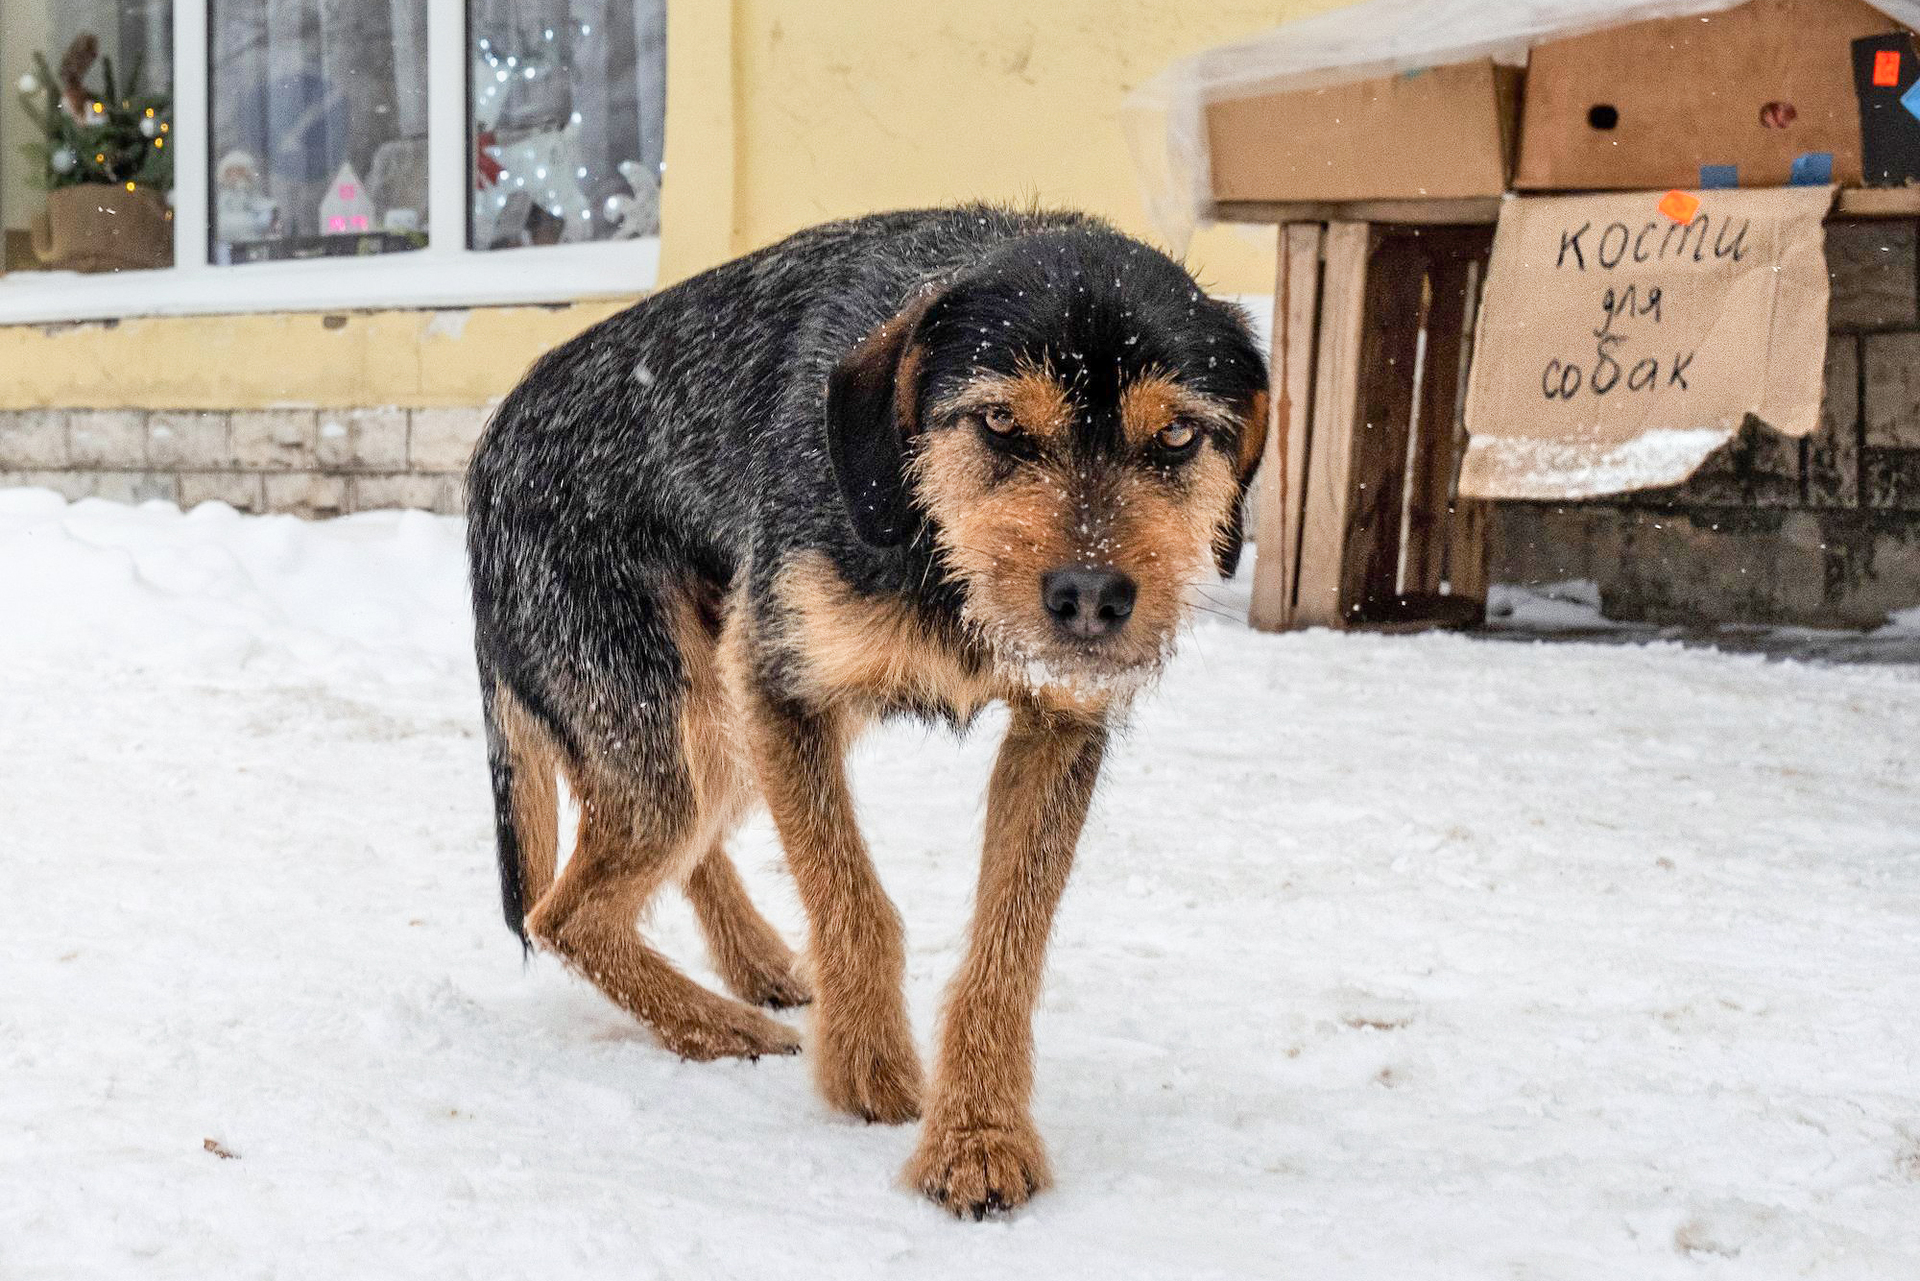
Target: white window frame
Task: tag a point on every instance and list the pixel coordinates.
(446, 273)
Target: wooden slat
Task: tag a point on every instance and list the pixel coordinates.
(1854, 202)
(1419, 212)
(1466, 571)
(1436, 452)
(1370, 555)
(1283, 470)
(1336, 383)
(1467, 551)
(1880, 202)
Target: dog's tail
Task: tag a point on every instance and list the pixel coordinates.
(524, 761)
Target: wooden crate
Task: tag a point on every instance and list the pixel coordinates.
(1360, 524)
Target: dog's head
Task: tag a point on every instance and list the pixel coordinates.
(1075, 422)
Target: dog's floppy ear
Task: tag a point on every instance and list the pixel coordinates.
(872, 406)
(1231, 537)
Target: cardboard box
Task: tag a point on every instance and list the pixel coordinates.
(1443, 132)
(1756, 96)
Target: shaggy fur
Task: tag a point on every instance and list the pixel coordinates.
(908, 464)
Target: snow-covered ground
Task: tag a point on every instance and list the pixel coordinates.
(1418, 957)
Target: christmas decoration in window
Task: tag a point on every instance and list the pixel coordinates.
(319, 114)
(569, 120)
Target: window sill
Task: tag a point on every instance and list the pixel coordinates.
(424, 279)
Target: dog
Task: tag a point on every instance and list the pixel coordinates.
(906, 465)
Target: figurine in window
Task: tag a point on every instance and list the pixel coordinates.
(243, 211)
(346, 209)
(638, 214)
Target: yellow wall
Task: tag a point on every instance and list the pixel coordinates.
(780, 113)
(420, 359)
(855, 105)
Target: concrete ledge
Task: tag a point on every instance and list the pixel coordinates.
(1834, 568)
(312, 463)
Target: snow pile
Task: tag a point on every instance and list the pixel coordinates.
(379, 594)
(1386, 957)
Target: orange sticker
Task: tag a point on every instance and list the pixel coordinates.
(1680, 206)
(1886, 68)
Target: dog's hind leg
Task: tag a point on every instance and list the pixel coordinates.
(750, 955)
(659, 786)
(590, 919)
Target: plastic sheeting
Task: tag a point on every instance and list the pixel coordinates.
(1164, 119)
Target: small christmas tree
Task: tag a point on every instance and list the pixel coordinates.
(119, 136)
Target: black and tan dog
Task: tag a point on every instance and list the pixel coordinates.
(908, 464)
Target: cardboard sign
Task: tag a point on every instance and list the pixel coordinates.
(1619, 345)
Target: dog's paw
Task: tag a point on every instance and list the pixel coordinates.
(975, 1171)
(779, 989)
(730, 1031)
(876, 1078)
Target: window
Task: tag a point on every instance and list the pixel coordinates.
(569, 109)
(321, 154)
(85, 181)
(319, 112)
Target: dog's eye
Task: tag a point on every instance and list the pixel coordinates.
(1176, 437)
(1000, 420)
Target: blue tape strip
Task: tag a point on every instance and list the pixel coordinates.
(1811, 169)
(1911, 100)
(1713, 176)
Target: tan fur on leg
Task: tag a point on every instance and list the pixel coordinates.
(755, 962)
(979, 1151)
(590, 919)
(864, 1058)
(649, 814)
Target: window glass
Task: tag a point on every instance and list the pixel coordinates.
(569, 120)
(319, 141)
(86, 178)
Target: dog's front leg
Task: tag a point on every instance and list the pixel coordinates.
(979, 1150)
(863, 1055)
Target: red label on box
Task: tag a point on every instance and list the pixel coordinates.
(1886, 68)
(1680, 206)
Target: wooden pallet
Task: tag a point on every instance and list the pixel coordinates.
(1853, 202)
(1359, 523)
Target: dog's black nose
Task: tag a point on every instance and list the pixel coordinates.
(1088, 602)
